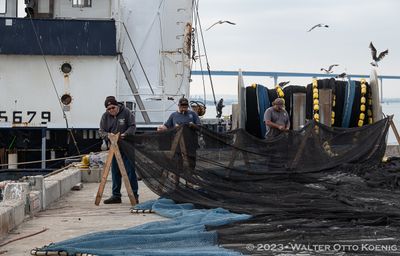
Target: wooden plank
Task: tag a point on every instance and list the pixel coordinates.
(124, 173)
(246, 160)
(396, 133)
(114, 151)
(233, 158)
(299, 152)
(184, 154)
(231, 162)
(299, 110)
(106, 170)
(325, 106)
(175, 143)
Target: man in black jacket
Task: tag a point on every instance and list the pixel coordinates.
(116, 119)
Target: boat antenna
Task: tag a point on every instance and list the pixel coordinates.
(54, 86)
(205, 54)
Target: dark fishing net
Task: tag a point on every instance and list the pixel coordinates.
(319, 185)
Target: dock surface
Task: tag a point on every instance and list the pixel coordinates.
(76, 214)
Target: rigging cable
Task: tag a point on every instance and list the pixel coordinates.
(54, 85)
(200, 61)
(205, 53)
(180, 83)
(137, 55)
(162, 64)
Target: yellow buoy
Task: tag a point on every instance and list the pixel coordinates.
(315, 95)
(85, 161)
(362, 108)
(316, 116)
(333, 114)
(316, 102)
(364, 90)
(360, 123)
(362, 116)
(316, 107)
(363, 100)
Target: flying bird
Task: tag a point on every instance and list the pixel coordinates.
(320, 25)
(220, 22)
(343, 75)
(329, 70)
(282, 84)
(374, 57)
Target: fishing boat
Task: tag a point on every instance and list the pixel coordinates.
(60, 61)
(319, 178)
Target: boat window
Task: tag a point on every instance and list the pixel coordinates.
(2, 6)
(66, 68)
(81, 3)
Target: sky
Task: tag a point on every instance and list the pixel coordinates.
(272, 36)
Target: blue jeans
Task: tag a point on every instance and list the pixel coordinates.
(116, 176)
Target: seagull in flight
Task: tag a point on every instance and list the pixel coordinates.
(374, 57)
(282, 84)
(221, 22)
(320, 25)
(329, 70)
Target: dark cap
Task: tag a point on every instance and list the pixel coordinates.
(183, 102)
(110, 100)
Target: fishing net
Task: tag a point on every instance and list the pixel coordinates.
(192, 163)
(317, 185)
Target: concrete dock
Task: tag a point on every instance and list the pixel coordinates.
(75, 214)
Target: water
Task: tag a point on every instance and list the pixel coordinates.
(392, 108)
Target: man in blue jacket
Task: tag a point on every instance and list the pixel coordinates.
(184, 116)
(118, 119)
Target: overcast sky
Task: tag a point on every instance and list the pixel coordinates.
(272, 36)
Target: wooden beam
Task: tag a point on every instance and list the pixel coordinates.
(396, 133)
(114, 151)
(106, 171)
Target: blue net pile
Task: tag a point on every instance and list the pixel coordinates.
(183, 234)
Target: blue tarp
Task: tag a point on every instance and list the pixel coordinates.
(184, 234)
(263, 104)
(348, 103)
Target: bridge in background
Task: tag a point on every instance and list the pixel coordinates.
(276, 75)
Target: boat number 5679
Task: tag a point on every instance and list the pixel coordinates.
(18, 117)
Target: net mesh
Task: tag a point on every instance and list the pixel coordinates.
(191, 163)
(318, 184)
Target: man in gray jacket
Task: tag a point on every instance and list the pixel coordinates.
(116, 119)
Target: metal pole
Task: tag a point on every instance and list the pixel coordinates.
(43, 148)
(275, 80)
